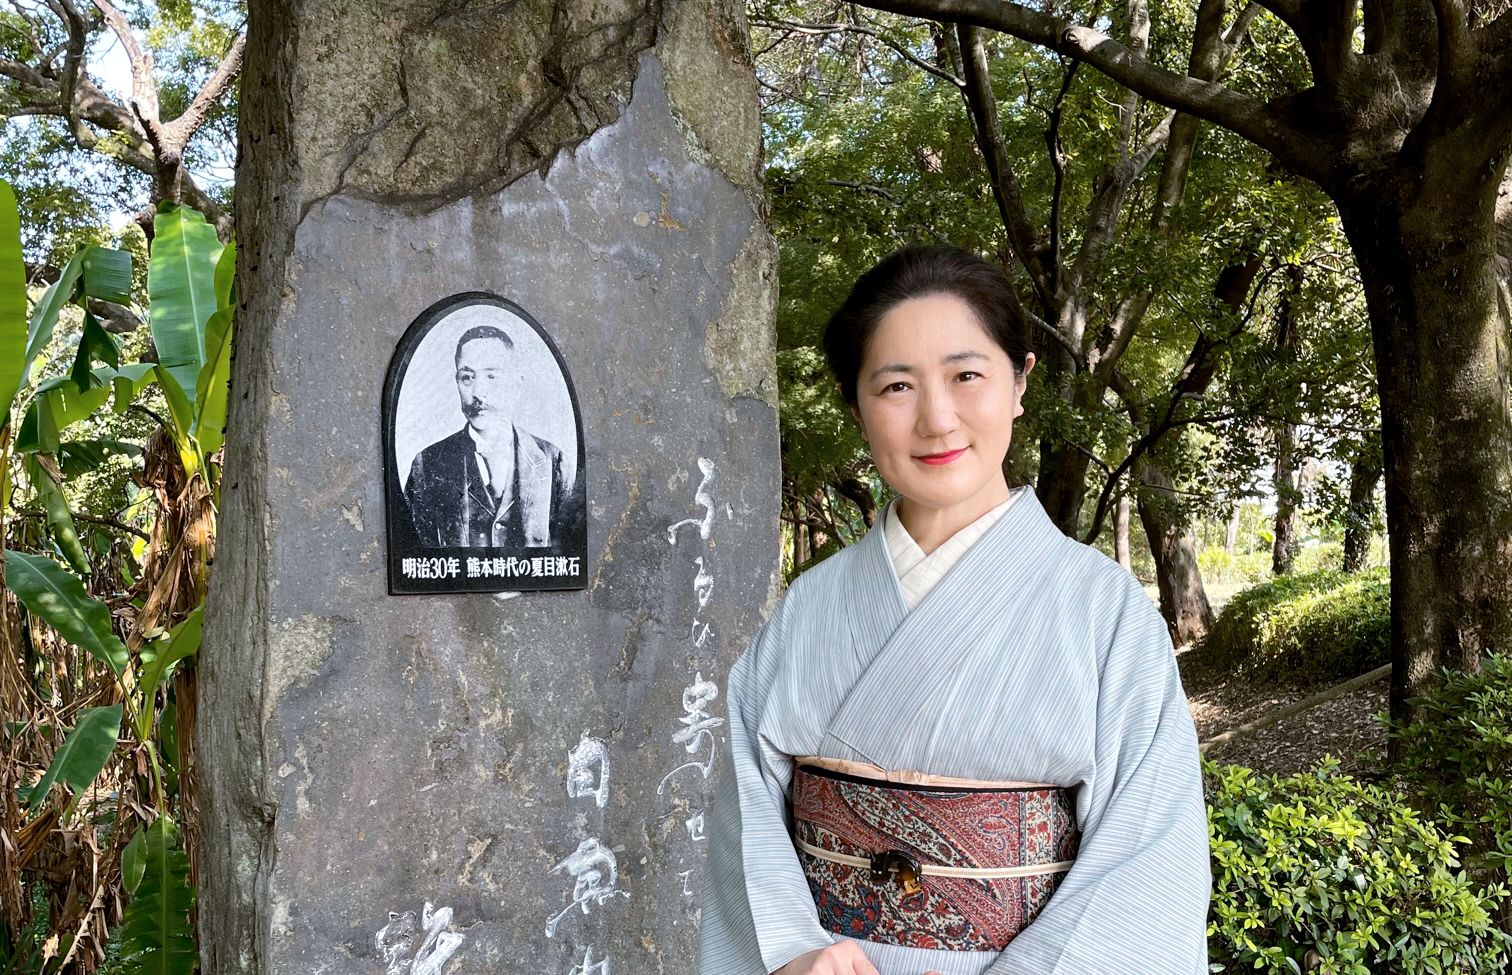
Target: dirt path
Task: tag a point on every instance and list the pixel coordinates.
(1344, 727)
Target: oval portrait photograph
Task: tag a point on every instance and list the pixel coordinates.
(483, 454)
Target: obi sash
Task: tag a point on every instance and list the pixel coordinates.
(909, 859)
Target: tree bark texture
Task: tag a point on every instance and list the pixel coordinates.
(1183, 600)
(1364, 475)
(1426, 253)
(1121, 533)
(1287, 463)
(367, 758)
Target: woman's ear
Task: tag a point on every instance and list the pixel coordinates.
(1022, 381)
(857, 414)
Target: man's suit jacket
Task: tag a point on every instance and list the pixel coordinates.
(450, 506)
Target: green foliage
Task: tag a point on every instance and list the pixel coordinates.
(1319, 872)
(58, 597)
(84, 753)
(156, 938)
(181, 281)
(107, 273)
(67, 444)
(1218, 565)
(12, 301)
(134, 862)
(1305, 627)
(66, 195)
(161, 654)
(212, 385)
(58, 403)
(59, 518)
(1456, 760)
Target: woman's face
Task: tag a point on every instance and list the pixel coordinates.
(936, 398)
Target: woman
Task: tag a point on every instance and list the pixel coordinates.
(966, 688)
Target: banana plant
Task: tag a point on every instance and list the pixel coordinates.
(190, 282)
(13, 362)
(191, 296)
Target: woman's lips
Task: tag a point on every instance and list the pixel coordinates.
(944, 458)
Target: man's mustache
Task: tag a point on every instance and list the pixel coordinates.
(473, 407)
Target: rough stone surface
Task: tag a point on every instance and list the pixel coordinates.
(364, 753)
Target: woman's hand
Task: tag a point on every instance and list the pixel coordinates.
(840, 958)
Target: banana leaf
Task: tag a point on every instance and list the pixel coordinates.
(58, 403)
(94, 344)
(212, 386)
(181, 289)
(156, 938)
(45, 316)
(52, 594)
(59, 518)
(134, 861)
(159, 655)
(77, 457)
(12, 303)
(107, 273)
(84, 753)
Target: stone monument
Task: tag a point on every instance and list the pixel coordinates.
(460, 783)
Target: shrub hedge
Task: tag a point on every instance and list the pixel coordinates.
(1456, 762)
(1318, 872)
(1305, 627)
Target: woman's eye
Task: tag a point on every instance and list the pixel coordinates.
(970, 375)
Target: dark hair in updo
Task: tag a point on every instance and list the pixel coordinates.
(915, 272)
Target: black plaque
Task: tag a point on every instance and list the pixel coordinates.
(483, 454)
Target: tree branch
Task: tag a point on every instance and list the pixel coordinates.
(73, 62)
(851, 184)
(1327, 36)
(182, 129)
(1058, 166)
(25, 74)
(1005, 185)
(92, 519)
(144, 94)
(1139, 43)
(1208, 100)
(816, 29)
(1053, 332)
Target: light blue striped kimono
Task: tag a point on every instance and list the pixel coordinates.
(1035, 658)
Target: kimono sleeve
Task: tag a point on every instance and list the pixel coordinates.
(1136, 900)
(757, 911)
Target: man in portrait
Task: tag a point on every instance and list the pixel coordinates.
(490, 484)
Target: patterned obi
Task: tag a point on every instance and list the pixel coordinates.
(928, 864)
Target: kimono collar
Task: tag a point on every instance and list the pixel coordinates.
(1012, 550)
(918, 572)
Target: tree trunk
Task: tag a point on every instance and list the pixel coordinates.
(1062, 481)
(1121, 533)
(1284, 547)
(1364, 474)
(1062, 484)
(1288, 495)
(1425, 247)
(1183, 600)
(1231, 534)
(803, 548)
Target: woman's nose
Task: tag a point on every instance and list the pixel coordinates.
(937, 414)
